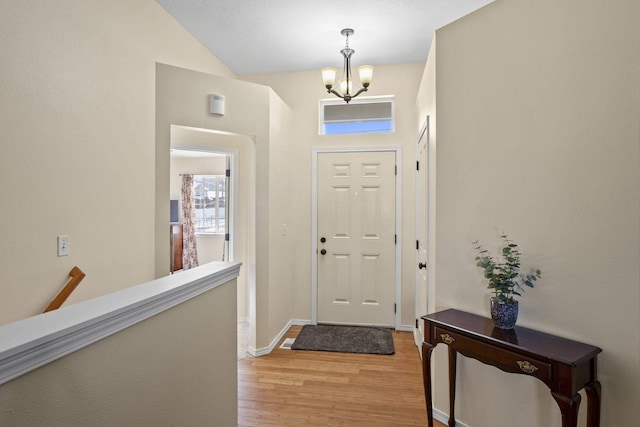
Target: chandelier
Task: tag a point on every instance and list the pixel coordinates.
(346, 84)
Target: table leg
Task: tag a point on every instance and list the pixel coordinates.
(426, 378)
(594, 393)
(568, 408)
(452, 385)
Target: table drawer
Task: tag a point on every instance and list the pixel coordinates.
(485, 352)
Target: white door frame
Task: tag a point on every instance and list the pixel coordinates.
(314, 224)
(424, 134)
(233, 207)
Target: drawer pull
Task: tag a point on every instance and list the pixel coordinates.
(527, 367)
(447, 339)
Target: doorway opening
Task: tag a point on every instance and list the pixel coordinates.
(211, 200)
(212, 153)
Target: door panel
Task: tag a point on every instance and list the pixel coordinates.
(356, 216)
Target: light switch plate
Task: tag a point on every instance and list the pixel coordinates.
(63, 245)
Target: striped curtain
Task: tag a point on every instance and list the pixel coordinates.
(189, 251)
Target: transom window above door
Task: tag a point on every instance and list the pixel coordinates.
(362, 115)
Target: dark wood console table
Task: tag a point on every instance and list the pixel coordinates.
(565, 366)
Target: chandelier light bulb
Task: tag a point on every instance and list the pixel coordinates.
(343, 86)
(329, 76)
(366, 74)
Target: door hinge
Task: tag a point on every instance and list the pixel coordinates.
(417, 245)
(416, 323)
(395, 239)
(395, 308)
(227, 237)
(228, 172)
(418, 165)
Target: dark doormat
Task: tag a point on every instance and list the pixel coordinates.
(345, 339)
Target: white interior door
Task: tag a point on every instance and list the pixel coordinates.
(356, 238)
(422, 227)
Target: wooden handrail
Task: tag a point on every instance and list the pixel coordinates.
(76, 277)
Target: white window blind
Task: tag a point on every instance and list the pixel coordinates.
(370, 116)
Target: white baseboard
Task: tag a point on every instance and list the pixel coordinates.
(405, 328)
(300, 322)
(266, 350)
(417, 341)
(444, 418)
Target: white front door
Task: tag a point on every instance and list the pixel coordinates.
(356, 238)
(422, 244)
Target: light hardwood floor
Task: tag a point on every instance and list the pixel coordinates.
(308, 388)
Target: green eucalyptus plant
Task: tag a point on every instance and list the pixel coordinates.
(505, 279)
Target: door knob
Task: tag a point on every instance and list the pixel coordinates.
(323, 252)
(422, 265)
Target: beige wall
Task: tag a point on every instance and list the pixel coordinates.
(133, 378)
(282, 242)
(77, 151)
(302, 92)
(538, 109)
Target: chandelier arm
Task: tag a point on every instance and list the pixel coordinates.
(338, 94)
(364, 89)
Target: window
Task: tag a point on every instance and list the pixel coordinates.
(209, 192)
(366, 115)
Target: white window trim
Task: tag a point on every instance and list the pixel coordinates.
(359, 100)
(211, 233)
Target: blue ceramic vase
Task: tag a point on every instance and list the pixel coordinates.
(504, 314)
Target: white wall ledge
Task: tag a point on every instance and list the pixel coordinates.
(33, 342)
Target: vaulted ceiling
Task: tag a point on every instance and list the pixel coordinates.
(266, 36)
